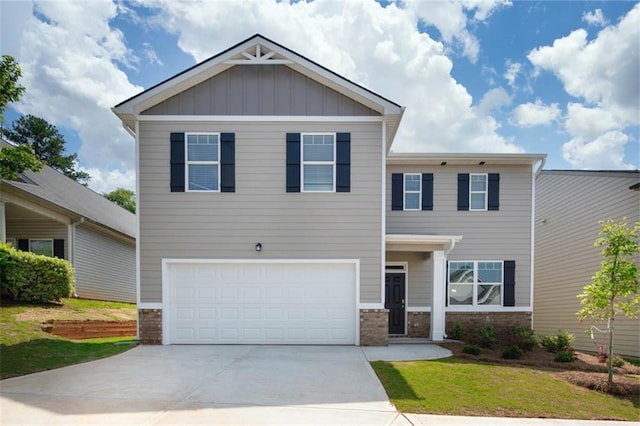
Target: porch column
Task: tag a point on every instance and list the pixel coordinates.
(438, 295)
(3, 224)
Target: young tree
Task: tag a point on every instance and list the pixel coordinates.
(615, 287)
(47, 144)
(125, 198)
(10, 90)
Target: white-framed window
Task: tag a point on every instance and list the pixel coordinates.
(475, 283)
(202, 162)
(41, 246)
(412, 191)
(478, 191)
(318, 162)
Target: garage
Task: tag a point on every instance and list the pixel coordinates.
(260, 302)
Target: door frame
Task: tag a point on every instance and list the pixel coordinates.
(401, 268)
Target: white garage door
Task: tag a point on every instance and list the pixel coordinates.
(262, 303)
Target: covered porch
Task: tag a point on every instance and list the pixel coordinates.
(416, 283)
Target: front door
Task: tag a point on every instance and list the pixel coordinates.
(394, 301)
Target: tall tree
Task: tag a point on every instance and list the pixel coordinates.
(615, 288)
(47, 144)
(10, 90)
(125, 198)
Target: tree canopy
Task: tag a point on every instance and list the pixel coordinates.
(10, 90)
(47, 143)
(125, 198)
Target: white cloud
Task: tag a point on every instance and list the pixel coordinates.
(595, 18)
(103, 181)
(603, 73)
(493, 100)
(378, 47)
(69, 62)
(511, 74)
(604, 152)
(535, 114)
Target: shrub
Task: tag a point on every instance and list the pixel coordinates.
(558, 343)
(29, 277)
(471, 349)
(486, 336)
(512, 352)
(618, 362)
(603, 354)
(523, 337)
(565, 355)
(456, 331)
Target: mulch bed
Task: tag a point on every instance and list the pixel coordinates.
(586, 370)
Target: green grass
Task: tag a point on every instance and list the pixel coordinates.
(25, 348)
(457, 387)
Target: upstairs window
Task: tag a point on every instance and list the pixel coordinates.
(203, 162)
(318, 162)
(478, 192)
(475, 283)
(412, 191)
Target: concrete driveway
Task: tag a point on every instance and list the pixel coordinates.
(157, 385)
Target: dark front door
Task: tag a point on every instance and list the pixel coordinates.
(394, 301)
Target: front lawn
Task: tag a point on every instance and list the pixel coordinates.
(25, 348)
(454, 386)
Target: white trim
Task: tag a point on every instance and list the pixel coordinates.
(533, 237)
(405, 266)
(166, 299)
(462, 308)
(187, 163)
(404, 192)
(138, 205)
(371, 306)
(462, 159)
(318, 163)
(383, 210)
(263, 118)
(419, 309)
(485, 192)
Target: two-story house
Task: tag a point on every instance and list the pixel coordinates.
(270, 212)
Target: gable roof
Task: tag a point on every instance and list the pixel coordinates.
(259, 50)
(53, 188)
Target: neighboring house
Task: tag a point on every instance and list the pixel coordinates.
(269, 212)
(51, 214)
(569, 205)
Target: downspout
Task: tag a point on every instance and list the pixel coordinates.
(535, 173)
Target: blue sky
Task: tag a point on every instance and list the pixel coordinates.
(560, 78)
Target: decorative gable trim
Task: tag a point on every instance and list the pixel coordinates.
(258, 55)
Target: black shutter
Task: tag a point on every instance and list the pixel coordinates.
(293, 162)
(397, 196)
(463, 191)
(177, 162)
(509, 283)
(227, 162)
(343, 162)
(23, 245)
(58, 248)
(427, 191)
(493, 196)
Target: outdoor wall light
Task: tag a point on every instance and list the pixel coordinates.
(259, 247)
(444, 163)
(482, 163)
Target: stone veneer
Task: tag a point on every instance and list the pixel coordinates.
(374, 327)
(502, 322)
(419, 324)
(150, 326)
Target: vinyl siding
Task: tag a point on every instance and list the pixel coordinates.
(492, 235)
(289, 225)
(260, 90)
(38, 229)
(568, 208)
(105, 266)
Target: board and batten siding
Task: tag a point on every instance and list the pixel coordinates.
(38, 229)
(569, 205)
(260, 90)
(486, 235)
(193, 225)
(105, 266)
